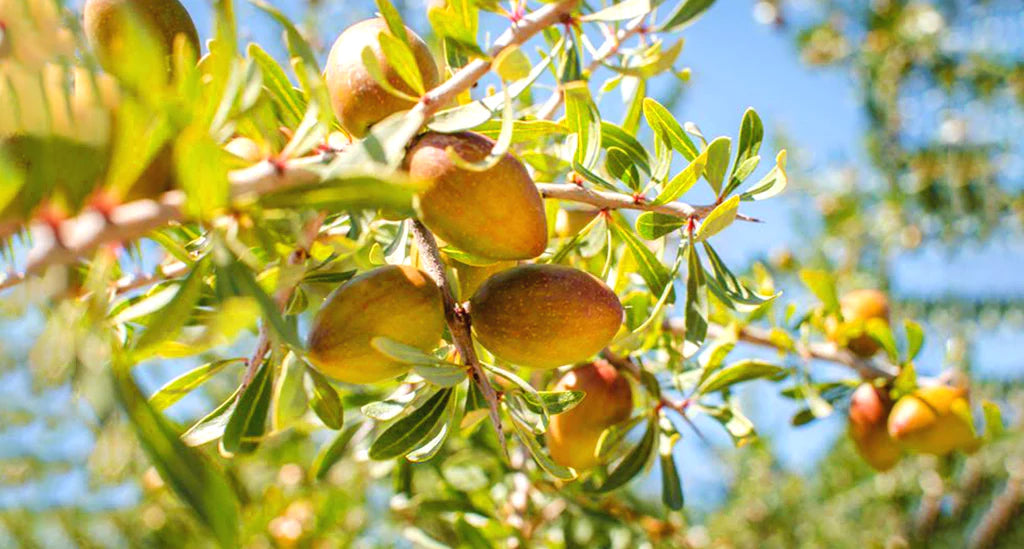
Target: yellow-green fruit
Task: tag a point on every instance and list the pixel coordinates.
(933, 420)
(869, 410)
(858, 307)
(570, 221)
(545, 316)
(358, 100)
(164, 19)
(397, 302)
(496, 214)
(573, 435)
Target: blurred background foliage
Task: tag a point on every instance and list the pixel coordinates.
(940, 86)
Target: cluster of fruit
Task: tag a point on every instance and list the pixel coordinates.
(932, 419)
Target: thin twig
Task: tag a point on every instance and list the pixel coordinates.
(620, 201)
(458, 321)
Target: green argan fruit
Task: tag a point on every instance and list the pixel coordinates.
(869, 410)
(495, 214)
(545, 316)
(398, 302)
(165, 20)
(573, 435)
(358, 100)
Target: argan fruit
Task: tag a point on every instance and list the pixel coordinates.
(398, 302)
(570, 221)
(869, 410)
(545, 316)
(933, 420)
(496, 214)
(573, 435)
(857, 308)
(165, 20)
(358, 100)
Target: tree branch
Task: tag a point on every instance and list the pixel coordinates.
(620, 201)
(458, 321)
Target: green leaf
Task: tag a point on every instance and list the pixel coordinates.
(994, 427)
(771, 184)
(407, 433)
(184, 384)
(401, 60)
(915, 338)
(202, 172)
(718, 162)
(195, 480)
(822, 285)
(290, 103)
(683, 181)
(655, 275)
(654, 225)
(331, 452)
(666, 126)
(376, 71)
(751, 135)
(633, 463)
(297, 45)
(539, 454)
(734, 421)
(394, 21)
(324, 400)
(553, 402)
(583, 118)
(671, 484)
(347, 190)
(729, 290)
(249, 419)
(879, 330)
(738, 372)
(685, 14)
(171, 318)
(289, 403)
(905, 382)
(721, 217)
(512, 64)
(245, 284)
(627, 9)
(524, 131)
(211, 426)
(696, 319)
(614, 136)
(621, 167)
(612, 437)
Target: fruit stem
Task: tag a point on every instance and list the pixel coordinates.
(458, 322)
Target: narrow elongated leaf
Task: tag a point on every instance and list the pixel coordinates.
(614, 136)
(738, 372)
(721, 217)
(184, 384)
(394, 21)
(880, 331)
(407, 433)
(729, 290)
(211, 426)
(176, 313)
(324, 400)
(540, 455)
(771, 184)
(331, 452)
(612, 437)
(915, 338)
(620, 166)
(402, 60)
(290, 402)
(290, 103)
(553, 402)
(685, 14)
(994, 427)
(634, 462)
(683, 181)
(195, 480)
(822, 285)
(654, 225)
(666, 126)
(655, 275)
(718, 162)
(751, 135)
(671, 484)
(696, 319)
(297, 45)
(524, 131)
(406, 353)
(249, 419)
(583, 118)
(376, 71)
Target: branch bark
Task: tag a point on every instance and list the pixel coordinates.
(458, 322)
(620, 201)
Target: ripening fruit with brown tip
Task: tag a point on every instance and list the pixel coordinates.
(934, 420)
(164, 19)
(545, 316)
(869, 410)
(358, 100)
(398, 302)
(496, 214)
(573, 435)
(857, 308)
